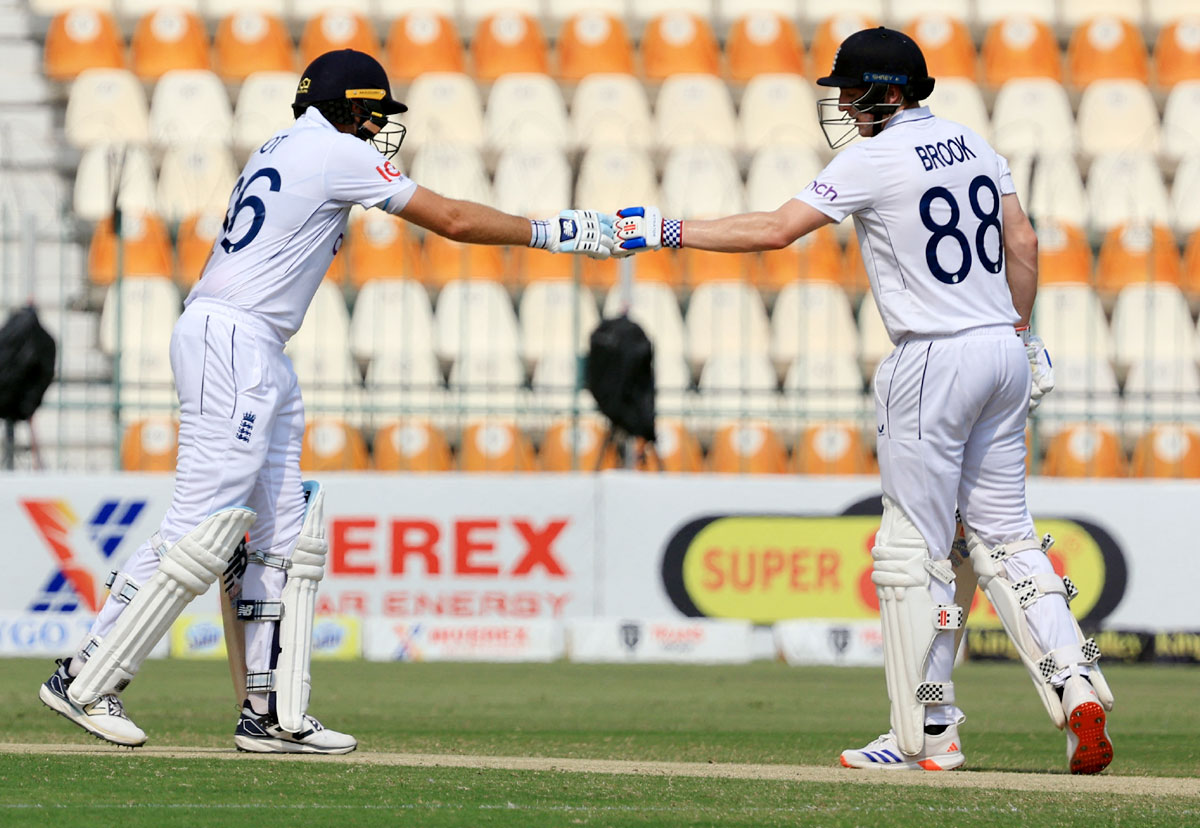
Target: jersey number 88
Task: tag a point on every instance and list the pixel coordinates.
(988, 218)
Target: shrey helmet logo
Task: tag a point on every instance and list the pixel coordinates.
(304, 84)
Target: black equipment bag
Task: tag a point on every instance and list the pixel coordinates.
(27, 354)
(620, 375)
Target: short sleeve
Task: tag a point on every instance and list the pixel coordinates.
(1004, 176)
(845, 186)
(355, 172)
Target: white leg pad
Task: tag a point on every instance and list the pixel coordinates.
(293, 681)
(186, 570)
(910, 620)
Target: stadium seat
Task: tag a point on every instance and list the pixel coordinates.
(656, 309)
(904, 12)
(811, 318)
(168, 39)
(701, 182)
(832, 448)
(1162, 389)
(264, 106)
(576, 446)
(1151, 321)
(679, 43)
(96, 182)
(1181, 121)
(525, 111)
(532, 181)
(824, 386)
(302, 10)
(1177, 52)
(987, 14)
(329, 379)
(474, 316)
(381, 248)
(836, 25)
(82, 38)
(726, 318)
(216, 10)
(778, 172)
(700, 266)
(190, 106)
(1106, 48)
(676, 449)
(1018, 48)
(594, 42)
(485, 384)
(946, 43)
(413, 444)
(332, 445)
(106, 106)
(406, 380)
(1064, 255)
(1126, 187)
(1073, 13)
(959, 99)
(729, 12)
(555, 318)
(1161, 13)
(660, 266)
(1116, 116)
(737, 385)
(423, 41)
(453, 170)
(150, 445)
(250, 41)
(762, 43)
(694, 110)
(391, 316)
(443, 108)
(142, 310)
(610, 110)
(196, 179)
(1033, 116)
(815, 257)
(495, 446)
(509, 42)
(1191, 266)
(778, 110)
(447, 261)
(526, 266)
(557, 383)
(1168, 451)
(616, 175)
(1085, 387)
(147, 249)
(747, 447)
(1071, 320)
(337, 28)
(475, 11)
(873, 343)
(854, 273)
(78, 359)
(1085, 450)
(1050, 188)
(1137, 253)
(197, 234)
(673, 385)
(76, 414)
(645, 11)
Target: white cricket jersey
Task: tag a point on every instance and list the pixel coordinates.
(925, 196)
(287, 219)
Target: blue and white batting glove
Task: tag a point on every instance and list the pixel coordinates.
(1039, 364)
(575, 231)
(644, 228)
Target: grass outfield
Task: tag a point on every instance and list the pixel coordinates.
(731, 717)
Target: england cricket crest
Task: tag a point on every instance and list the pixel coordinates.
(839, 639)
(631, 634)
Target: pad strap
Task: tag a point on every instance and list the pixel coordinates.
(274, 561)
(1036, 587)
(128, 588)
(259, 610)
(947, 617)
(1051, 663)
(260, 682)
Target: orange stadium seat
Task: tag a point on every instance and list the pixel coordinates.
(495, 446)
(1137, 253)
(337, 29)
(1168, 451)
(1106, 47)
(1177, 52)
(332, 445)
(423, 41)
(380, 247)
(763, 43)
(676, 450)
(509, 42)
(1190, 277)
(591, 42)
(249, 42)
(947, 45)
(414, 445)
(168, 38)
(1020, 47)
(829, 36)
(1085, 450)
(748, 447)
(679, 43)
(814, 257)
(832, 448)
(854, 273)
(447, 260)
(197, 235)
(147, 249)
(526, 265)
(81, 39)
(659, 266)
(577, 448)
(701, 266)
(1064, 254)
(150, 445)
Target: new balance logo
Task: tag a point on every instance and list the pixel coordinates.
(243, 432)
(566, 229)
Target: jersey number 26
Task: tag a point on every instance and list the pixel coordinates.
(243, 201)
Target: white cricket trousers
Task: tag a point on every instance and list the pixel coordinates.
(951, 417)
(241, 427)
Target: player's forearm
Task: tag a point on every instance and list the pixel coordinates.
(743, 233)
(1020, 255)
(473, 223)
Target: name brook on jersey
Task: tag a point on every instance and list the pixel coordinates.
(944, 153)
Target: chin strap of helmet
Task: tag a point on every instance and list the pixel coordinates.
(387, 136)
(871, 103)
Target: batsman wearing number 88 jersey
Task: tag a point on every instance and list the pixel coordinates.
(952, 262)
(242, 416)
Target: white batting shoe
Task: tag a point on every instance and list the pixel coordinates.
(105, 718)
(261, 733)
(1089, 750)
(941, 752)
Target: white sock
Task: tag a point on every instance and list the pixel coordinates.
(259, 703)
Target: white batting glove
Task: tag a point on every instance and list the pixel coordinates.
(644, 228)
(575, 231)
(1039, 364)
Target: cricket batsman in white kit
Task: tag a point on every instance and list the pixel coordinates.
(242, 418)
(952, 261)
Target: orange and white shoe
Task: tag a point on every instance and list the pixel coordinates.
(1089, 750)
(941, 752)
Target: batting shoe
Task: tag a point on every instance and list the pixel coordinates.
(941, 752)
(1089, 750)
(261, 733)
(105, 718)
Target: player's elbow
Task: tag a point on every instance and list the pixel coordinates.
(1023, 243)
(454, 224)
(776, 236)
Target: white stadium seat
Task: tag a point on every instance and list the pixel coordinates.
(1181, 121)
(94, 180)
(609, 110)
(215, 10)
(473, 317)
(1124, 188)
(902, 12)
(473, 11)
(1071, 320)
(777, 173)
(190, 106)
(826, 386)
(406, 381)
(320, 353)
(1151, 321)
(1033, 116)
(959, 99)
(391, 316)
(736, 384)
(811, 318)
(642, 11)
(263, 108)
(987, 13)
(144, 310)
(1161, 390)
(1074, 12)
(443, 108)
(874, 342)
(730, 11)
(725, 318)
(1117, 116)
(1085, 390)
(554, 379)
(195, 180)
(452, 170)
(695, 109)
(779, 109)
(532, 182)
(526, 111)
(610, 176)
(701, 182)
(1050, 188)
(486, 383)
(656, 309)
(107, 106)
(556, 317)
